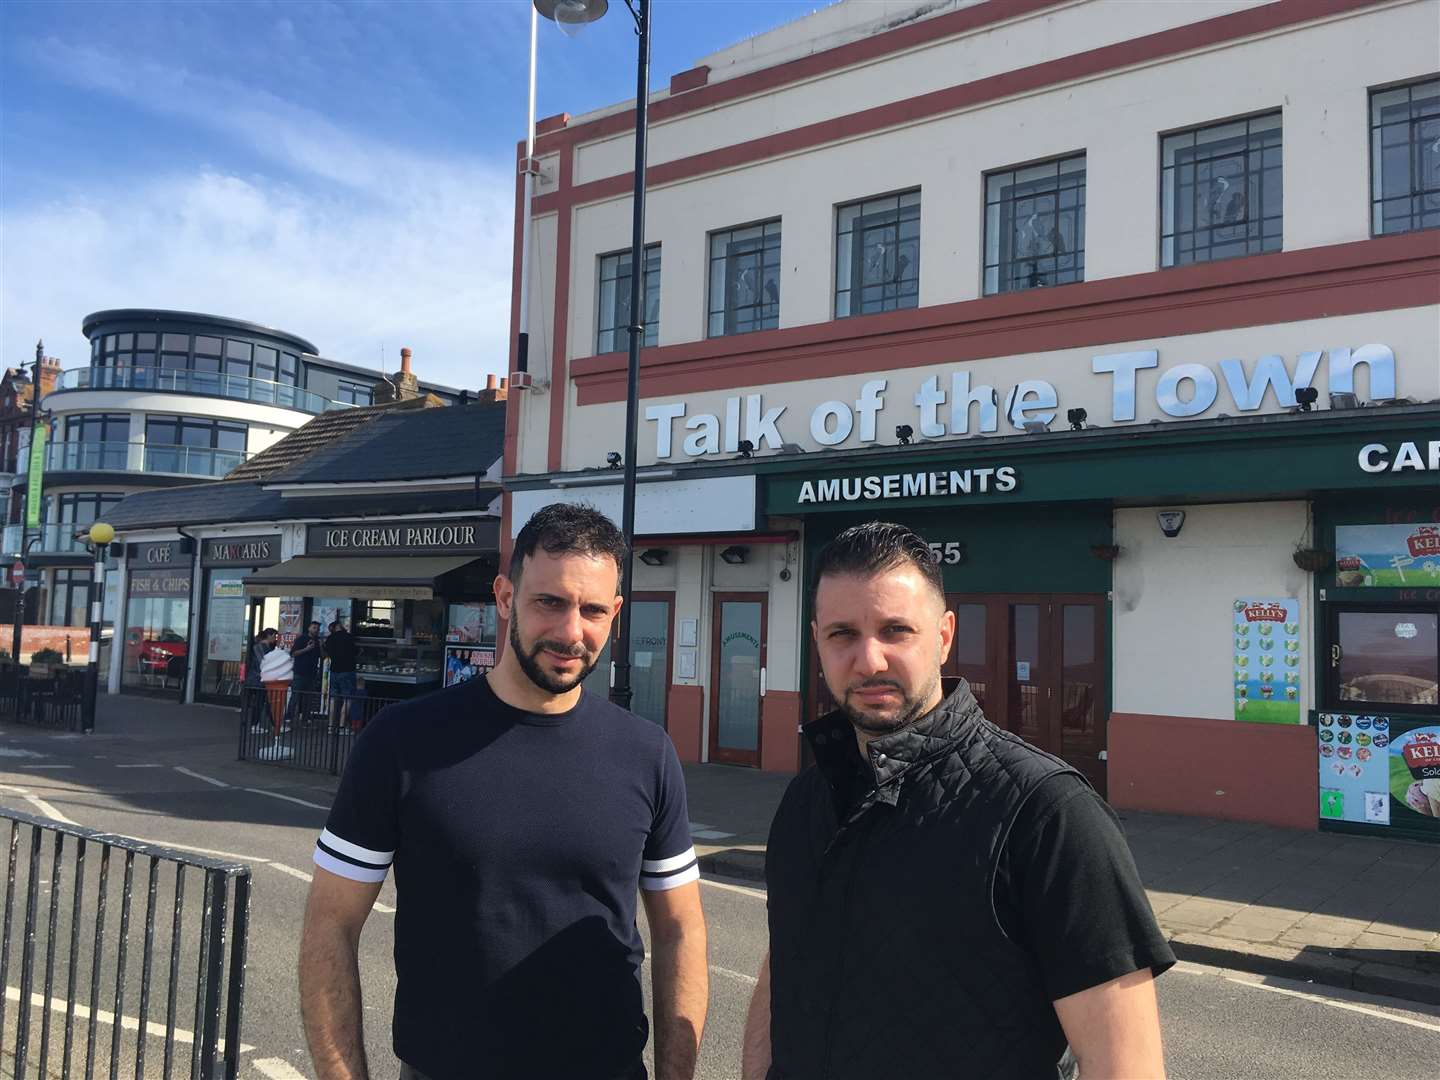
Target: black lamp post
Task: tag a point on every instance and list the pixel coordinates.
(100, 536)
(571, 16)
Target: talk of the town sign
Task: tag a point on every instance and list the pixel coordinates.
(955, 407)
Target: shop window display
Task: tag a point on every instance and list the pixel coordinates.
(1386, 659)
(157, 619)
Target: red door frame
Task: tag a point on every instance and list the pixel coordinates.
(717, 608)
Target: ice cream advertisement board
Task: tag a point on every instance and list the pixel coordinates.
(1267, 661)
(1380, 772)
(1387, 556)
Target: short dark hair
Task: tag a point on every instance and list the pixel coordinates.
(874, 547)
(568, 529)
(268, 631)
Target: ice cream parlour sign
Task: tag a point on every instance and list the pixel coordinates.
(441, 536)
(957, 405)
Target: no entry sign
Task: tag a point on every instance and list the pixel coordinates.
(17, 573)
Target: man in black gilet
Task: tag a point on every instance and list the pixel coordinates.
(945, 900)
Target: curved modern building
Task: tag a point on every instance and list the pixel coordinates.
(166, 398)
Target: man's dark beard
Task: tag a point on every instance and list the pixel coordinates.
(911, 708)
(530, 664)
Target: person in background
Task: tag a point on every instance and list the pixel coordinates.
(340, 650)
(255, 697)
(306, 655)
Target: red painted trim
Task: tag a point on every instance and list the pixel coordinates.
(684, 720)
(693, 79)
(1215, 768)
(550, 125)
(1340, 279)
(780, 735)
(1266, 18)
(559, 376)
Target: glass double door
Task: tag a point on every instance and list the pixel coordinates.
(1037, 665)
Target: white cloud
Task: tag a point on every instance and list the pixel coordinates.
(353, 242)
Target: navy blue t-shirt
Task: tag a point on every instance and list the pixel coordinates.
(518, 842)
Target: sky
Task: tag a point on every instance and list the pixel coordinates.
(340, 170)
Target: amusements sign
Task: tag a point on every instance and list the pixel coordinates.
(1267, 661)
(1380, 771)
(1387, 556)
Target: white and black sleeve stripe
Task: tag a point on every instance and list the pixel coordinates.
(340, 856)
(660, 874)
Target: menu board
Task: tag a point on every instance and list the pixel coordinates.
(1387, 556)
(1380, 771)
(1267, 661)
(466, 661)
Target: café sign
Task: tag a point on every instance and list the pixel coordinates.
(419, 537)
(161, 553)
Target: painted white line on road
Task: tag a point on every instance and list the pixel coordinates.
(203, 850)
(16, 751)
(729, 886)
(287, 798)
(127, 1023)
(1257, 982)
(277, 1069)
(40, 804)
(147, 765)
(748, 979)
(44, 766)
(384, 908)
(199, 776)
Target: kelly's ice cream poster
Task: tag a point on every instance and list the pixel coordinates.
(1267, 661)
(1387, 556)
(1415, 779)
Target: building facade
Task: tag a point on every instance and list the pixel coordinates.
(168, 398)
(1155, 370)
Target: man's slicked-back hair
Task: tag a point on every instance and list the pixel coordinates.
(874, 548)
(568, 529)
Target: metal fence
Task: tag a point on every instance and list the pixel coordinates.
(50, 701)
(71, 931)
(305, 730)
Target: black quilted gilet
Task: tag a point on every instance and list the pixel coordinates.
(887, 960)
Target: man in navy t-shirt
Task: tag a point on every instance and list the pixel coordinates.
(520, 815)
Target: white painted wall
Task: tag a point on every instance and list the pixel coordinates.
(1318, 75)
(1173, 646)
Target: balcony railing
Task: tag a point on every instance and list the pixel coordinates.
(141, 458)
(204, 383)
(47, 539)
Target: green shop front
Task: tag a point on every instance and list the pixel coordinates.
(1105, 580)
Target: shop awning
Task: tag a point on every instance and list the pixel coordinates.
(395, 577)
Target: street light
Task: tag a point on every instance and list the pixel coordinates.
(572, 16)
(100, 536)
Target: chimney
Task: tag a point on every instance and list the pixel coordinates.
(495, 391)
(49, 372)
(407, 386)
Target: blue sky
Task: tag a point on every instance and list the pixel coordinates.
(339, 169)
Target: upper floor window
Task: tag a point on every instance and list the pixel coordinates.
(1035, 225)
(1220, 191)
(1405, 158)
(745, 279)
(195, 431)
(200, 352)
(97, 428)
(614, 315)
(84, 507)
(355, 393)
(877, 255)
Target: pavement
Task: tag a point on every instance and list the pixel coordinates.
(1358, 913)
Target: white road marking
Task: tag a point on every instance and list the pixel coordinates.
(750, 979)
(128, 1023)
(40, 804)
(729, 886)
(16, 751)
(384, 908)
(1257, 982)
(277, 1069)
(200, 776)
(147, 765)
(287, 798)
(45, 766)
(203, 850)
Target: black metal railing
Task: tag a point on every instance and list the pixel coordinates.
(303, 730)
(78, 956)
(50, 701)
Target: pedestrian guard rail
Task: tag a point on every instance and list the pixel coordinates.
(111, 946)
(308, 730)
